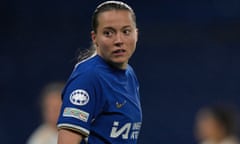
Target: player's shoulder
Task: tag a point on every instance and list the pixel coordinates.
(89, 67)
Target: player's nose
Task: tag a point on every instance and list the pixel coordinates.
(118, 40)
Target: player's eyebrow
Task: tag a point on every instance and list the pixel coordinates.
(109, 28)
(127, 26)
(113, 29)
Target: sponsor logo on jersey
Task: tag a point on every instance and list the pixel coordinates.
(79, 97)
(127, 131)
(76, 113)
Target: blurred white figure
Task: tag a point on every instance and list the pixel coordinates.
(51, 102)
(216, 125)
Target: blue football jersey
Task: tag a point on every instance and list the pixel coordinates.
(102, 103)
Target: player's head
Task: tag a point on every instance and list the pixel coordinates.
(215, 123)
(114, 32)
(51, 102)
(108, 6)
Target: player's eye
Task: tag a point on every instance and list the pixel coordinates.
(127, 31)
(108, 33)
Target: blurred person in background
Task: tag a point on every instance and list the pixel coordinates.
(217, 125)
(50, 104)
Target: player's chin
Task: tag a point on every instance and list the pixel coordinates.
(120, 60)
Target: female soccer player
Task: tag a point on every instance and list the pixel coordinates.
(101, 99)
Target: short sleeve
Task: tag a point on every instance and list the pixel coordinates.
(82, 102)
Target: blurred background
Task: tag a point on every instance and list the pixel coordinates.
(188, 56)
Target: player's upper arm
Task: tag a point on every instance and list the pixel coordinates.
(68, 137)
(82, 102)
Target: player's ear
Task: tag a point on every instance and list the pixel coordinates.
(93, 36)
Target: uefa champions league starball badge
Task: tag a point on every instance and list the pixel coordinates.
(79, 97)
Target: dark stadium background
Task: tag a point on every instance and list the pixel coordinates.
(188, 56)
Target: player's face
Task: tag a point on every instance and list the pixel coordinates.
(116, 37)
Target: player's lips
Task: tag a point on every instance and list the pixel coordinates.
(119, 52)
